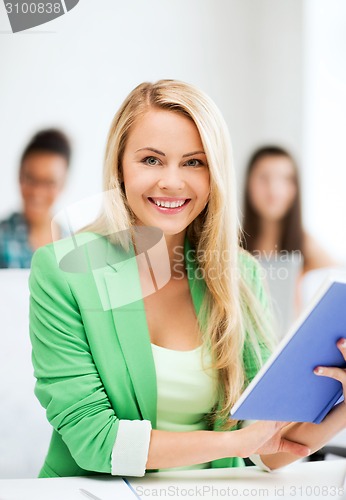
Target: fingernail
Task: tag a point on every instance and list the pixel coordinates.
(318, 370)
(343, 343)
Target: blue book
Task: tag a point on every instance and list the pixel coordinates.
(285, 388)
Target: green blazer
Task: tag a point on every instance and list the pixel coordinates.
(91, 349)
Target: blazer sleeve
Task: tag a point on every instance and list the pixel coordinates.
(68, 385)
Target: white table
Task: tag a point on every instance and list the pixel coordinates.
(304, 480)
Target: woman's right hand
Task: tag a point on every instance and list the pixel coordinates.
(265, 437)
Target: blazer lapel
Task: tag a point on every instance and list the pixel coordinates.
(125, 299)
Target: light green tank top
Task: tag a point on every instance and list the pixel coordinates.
(185, 392)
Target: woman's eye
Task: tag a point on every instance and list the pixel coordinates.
(194, 163)
(150, 160)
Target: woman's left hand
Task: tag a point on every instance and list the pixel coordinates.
(333, 371)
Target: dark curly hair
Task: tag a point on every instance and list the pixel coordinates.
(48, 141)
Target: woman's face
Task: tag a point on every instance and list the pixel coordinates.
(164, 161)
(272, 187)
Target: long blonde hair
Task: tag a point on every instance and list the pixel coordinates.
(231, 306)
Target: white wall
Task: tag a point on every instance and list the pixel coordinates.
(325, 123)
(269, 73)
(75, 71)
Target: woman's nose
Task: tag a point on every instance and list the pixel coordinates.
(171, 178)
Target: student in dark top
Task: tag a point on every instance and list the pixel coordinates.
(42, 176)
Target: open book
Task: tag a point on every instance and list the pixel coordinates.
(286, 388)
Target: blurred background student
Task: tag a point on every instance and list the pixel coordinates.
(273, 229)
(42, 176)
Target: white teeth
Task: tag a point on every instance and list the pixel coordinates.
(168, 204)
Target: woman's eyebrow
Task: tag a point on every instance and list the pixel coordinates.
(194, 153)
(163, 154)
(152, 149)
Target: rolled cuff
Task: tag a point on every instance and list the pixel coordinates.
(131, 447)
(256, 460)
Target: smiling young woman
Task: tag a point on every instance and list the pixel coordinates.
(147, 383)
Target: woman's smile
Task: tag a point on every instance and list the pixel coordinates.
(169, 206)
